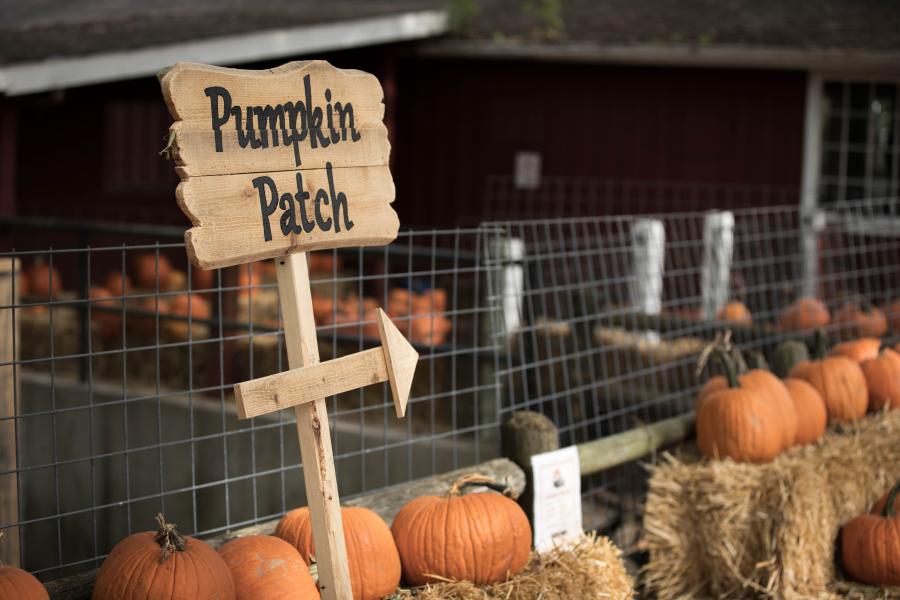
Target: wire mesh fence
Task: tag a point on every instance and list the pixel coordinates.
(119, 384)
(117, 388)
(604, 318)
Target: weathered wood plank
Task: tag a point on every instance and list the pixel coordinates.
(242, 218)
(284, 390)
(312, 427)
(386, 502)
(329, 115)
(9, 483)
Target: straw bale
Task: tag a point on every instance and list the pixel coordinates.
(719, 529)
(590, 569)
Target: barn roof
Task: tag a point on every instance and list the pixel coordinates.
(53, 43)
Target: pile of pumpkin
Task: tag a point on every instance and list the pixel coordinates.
(484, 538)
(751, 414)
(418, 316)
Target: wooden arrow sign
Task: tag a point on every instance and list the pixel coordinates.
(394, 361)
(274, 163)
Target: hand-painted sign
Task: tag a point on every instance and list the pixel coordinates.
(279, 161)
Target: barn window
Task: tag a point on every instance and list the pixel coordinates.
(859, 141)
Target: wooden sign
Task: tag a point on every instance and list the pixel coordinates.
(275, 163)
(278, 161)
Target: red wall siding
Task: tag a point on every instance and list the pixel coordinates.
(461, 121)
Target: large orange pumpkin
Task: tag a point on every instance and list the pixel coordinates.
(738, 422)
(860, 320)
(264, 566)
(812, 416)
(735, 312)
(163, 565)
(805, 314)
(483, 538)
(870, 544)
(858, 350)
(883, 379)
(374, 562)
(16, 584)
(770, 388)
(117, 283)
(840, 382)
(188, 305)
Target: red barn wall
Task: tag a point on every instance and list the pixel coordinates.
(463, 120)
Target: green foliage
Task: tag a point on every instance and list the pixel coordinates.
(548, 14)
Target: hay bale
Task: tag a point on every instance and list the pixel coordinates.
(592, 568)
(719, 529)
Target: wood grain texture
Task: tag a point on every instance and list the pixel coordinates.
(313, 430)
(401, 360)
(228, 226)
(297, 386)
(387, 502)
(184, 86)
(9, 341)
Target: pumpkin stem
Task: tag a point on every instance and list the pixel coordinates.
(820, 344)
(474, 479)
(729, 367)
(888, 510)
(168, 538)
(723, 340)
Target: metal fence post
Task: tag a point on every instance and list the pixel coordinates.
(648, 256)
(718, 248)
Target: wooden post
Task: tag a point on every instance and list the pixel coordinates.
(313, 430)
(525, 434)
(9, 484)
(336, 191)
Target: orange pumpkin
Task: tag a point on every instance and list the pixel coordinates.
(163, 565)
(399, 304)
(175, 281)
(44, 282)
(737, 421)
(374, 562)
(118, 283)
(812, 416)
(201, 279)
(883, 379)
(857, 350)
(805, 314)
(184, 305)
(104, 313)
(840, 382)
(248, 279)
(772, 390)
(483, 538)
(264, 566)
(323, 309)
(735, 312)
(892, 311)
(860, 320)
(870, 544)
(16, 584)
(150, 269)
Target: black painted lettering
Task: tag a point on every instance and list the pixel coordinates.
(218, 117)
(335, 135)
(266, 207)
(345, 116)
(313, 118)
(302, 196)
(323, 223)
(289, 216)
(338, 202)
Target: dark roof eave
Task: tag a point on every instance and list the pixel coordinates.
(710, 56)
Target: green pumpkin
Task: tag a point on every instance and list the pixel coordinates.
(787, 354)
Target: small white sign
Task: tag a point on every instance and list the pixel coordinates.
(527, 175)
(557, 498)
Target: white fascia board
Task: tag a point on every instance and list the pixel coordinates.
(61, 73)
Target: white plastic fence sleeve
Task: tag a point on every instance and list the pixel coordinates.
(508, 282)
(648, 253)
(812, 222)
(718, 250)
